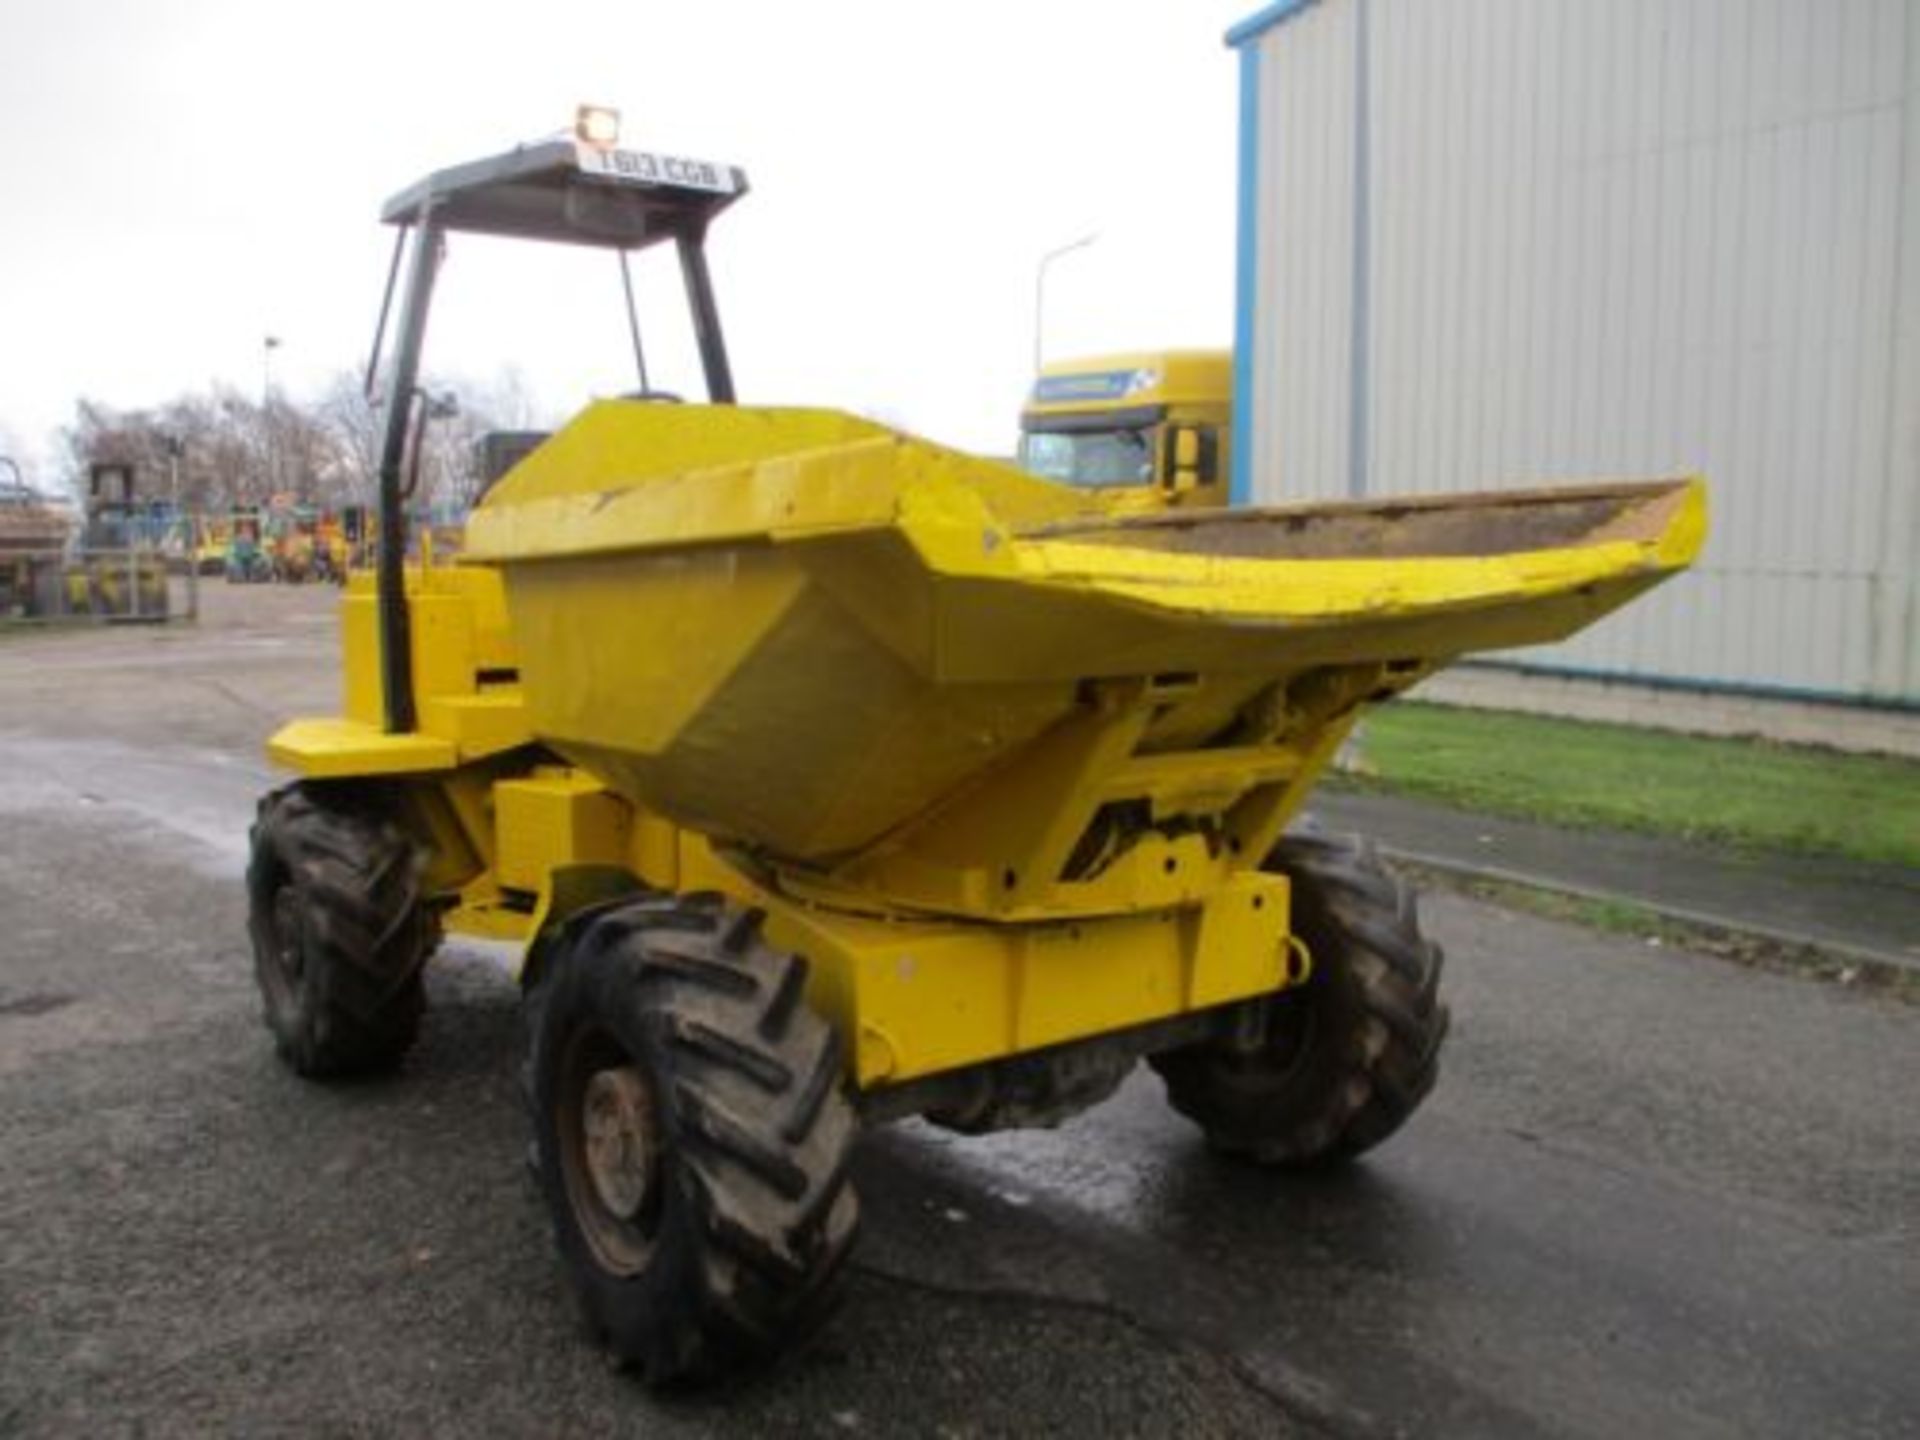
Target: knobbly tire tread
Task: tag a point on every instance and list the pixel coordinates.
(757, 1208)
(367, 929)
(1352, 1053)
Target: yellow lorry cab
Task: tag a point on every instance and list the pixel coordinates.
(1151, 428)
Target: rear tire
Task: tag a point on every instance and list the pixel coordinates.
(340, 930)
(1331, 1068)
(691, 1137)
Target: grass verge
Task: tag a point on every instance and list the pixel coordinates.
(1750, 793)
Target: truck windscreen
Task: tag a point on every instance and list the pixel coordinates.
(1094, 458)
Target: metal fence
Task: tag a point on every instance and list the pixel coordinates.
(136, 584)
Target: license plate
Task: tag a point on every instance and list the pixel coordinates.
(645, 167)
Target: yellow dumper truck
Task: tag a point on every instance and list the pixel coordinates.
(823, 776)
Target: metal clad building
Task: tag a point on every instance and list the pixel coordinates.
(1485, 243)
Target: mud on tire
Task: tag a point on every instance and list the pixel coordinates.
(691, 1138)
(1334, 1067)
(339, 927)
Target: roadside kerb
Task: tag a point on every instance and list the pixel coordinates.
(1883, 963)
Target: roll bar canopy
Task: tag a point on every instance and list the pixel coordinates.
(563, 191)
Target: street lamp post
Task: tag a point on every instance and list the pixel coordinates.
(269, 344)
(187, 527)
(1040, 289)
(175, 445)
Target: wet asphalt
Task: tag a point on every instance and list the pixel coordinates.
(1655, 1193)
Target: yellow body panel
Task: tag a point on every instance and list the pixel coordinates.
(915, 995)
(1002, 763)
(460, 625)
(480, 724)
(325, 749)
(551, 818)
(918, 998)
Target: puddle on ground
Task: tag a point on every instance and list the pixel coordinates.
(32, 1004)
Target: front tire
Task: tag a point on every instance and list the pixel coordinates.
(1328, 1070)
(340, 930)
(690, 1136)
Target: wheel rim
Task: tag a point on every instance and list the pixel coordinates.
(617, 1125)
(609, 1150)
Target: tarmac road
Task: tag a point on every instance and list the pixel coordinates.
(1654, 1193)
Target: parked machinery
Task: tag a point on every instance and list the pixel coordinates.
(824, 776)
(120, 572)
(295, 552)
(33, 542)
(213, 542)
(249, 558)
(1150, 429)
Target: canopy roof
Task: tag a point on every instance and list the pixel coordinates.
(575, 193)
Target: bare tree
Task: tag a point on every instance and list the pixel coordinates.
(235, 450)
(508, 399)
(352, 422)
(460, 414)
(11, 448)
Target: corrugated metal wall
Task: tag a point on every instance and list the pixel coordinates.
(1609, 237)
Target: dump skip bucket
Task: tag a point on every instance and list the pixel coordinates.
(800, 630)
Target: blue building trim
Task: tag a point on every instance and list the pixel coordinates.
(1245, 280)
(1261, 21)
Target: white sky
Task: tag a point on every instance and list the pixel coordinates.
(179, 178)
